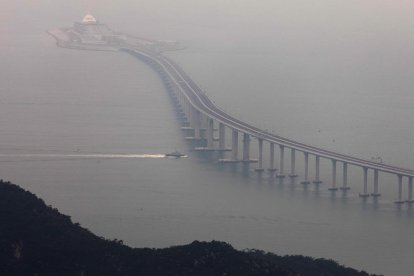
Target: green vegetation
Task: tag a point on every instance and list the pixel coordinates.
(37, 240)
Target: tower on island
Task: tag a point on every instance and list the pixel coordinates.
(89, 19)
(91, 31)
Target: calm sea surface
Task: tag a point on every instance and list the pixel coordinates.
(84, 131)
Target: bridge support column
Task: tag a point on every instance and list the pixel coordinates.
(187, 109)
(222, 136)
(410, 190)
(365, 193)
(181, 93)
(210, 133)
(197, 123)
(333, 187)
(292, 164)
(234, 145)
(281, 161)
(260, 168)
(182, 113)
(306, 180)
(180, 98)
(317, 165)
(185, 113)
(246, 147)
(375, 193)
(179, 103)
(203, 128)
(345, 177)
(272, 158)
(184, 105)
(399, 200)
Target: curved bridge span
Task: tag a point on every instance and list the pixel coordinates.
(200, 113)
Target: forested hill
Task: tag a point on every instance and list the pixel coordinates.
(36, 239)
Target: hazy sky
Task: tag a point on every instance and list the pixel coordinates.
(354, 30)
(377, 37)
(346, 18)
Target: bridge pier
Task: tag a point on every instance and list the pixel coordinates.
(196, 124)
(306, 180)
(222, 141)
(187, 108)
(210, 133)
(333, 187)
(222, 136)
(203, 129)
(234, 145)
(410, 190)
(317, 165)
(260, 168)
(184, 107)
(185, 112)
(246, 147)
(365, 193)
(375, 193)
(282, 157)
(180, 97)
(272, 158)
(399, 200)
(181, 111)
(193, 123)
(345, 177)
(292, 163)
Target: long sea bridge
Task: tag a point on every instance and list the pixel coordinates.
(200, 116)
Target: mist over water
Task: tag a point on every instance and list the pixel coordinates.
(334, 74)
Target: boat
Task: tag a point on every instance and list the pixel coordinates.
(176, 154)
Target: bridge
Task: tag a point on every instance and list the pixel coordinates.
(200, 115)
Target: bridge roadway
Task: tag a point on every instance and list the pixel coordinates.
(202, 103)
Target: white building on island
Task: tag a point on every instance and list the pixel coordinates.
(91, 31)
(89, 18)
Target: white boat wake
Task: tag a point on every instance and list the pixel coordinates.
(82, 155)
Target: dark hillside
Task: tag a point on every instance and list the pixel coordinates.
(36, 239)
